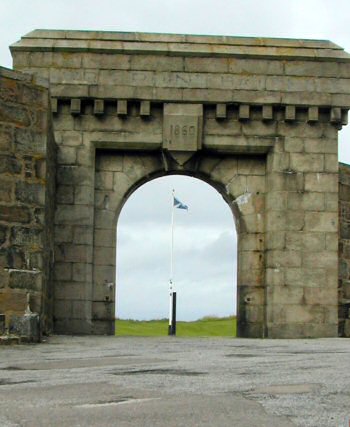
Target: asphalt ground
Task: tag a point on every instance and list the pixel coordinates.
(151, 382)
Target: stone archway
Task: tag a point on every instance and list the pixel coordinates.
(247, 115)
(119, 174)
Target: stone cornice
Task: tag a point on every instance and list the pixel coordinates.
(290, 113)
(180, 45)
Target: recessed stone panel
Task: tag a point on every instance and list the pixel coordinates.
(182, 127)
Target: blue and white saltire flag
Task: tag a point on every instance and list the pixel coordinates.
(179, 204)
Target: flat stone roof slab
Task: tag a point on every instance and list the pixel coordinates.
(176, 44)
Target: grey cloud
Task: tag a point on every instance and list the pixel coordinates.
(154, 201)
(204, 273)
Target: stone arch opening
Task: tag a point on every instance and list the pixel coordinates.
(205, 252)
(239, 179)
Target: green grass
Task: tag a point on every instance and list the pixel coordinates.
(206, 327)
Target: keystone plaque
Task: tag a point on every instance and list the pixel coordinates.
(182, 127)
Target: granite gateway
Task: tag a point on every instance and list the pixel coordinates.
(88, 117)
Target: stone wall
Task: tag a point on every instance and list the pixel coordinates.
(302, 230)
(27, 180)
(344, 250)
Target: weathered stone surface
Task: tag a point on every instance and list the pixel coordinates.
(13, 301)
(30, 193)
(321, 221)
(67, 252)
(27, 174)
(344, 249)
(73, 175)
(27, 327)
(63, 271)
(73, 214)
(26, 281)
(302, 162)
(321, 182)
(25, 236)
(10, 164)
(14, 214)
(221, 111)
(67, 155)
(17, 115)
(65, 194)
(307, 201)
(322, 259)
(183, 125)
(81, 271)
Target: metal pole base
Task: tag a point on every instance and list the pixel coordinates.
(172, 326)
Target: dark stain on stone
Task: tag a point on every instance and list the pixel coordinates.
(117, 400)
(241, 355)
(318, 352)
(7, 381)
(13, 368)
(179, 372)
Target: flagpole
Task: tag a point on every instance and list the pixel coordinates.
(171, 290)
(172, 293)
(172, 237)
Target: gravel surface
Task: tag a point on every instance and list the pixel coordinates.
(120, 381)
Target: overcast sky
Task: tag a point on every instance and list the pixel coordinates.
(204, 236)
(204, 272)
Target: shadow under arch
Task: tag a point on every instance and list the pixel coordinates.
(120, 174)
